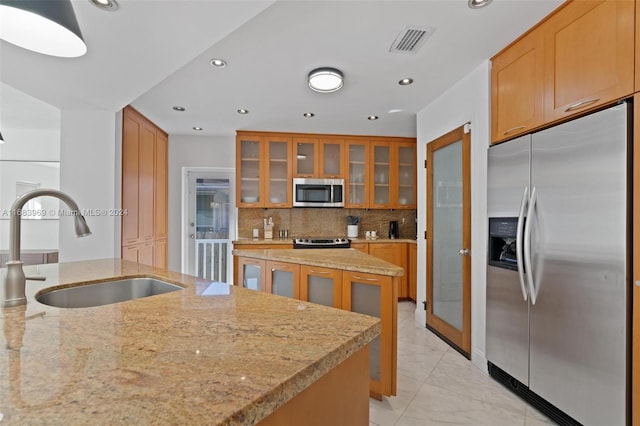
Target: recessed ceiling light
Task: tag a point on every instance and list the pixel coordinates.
(405, 81)
(218, 63)
(477, 4)
(372, 117)
(243, 111)
(179, 108)
(325, 80)
(197, 129)
(308, 114)
(110, 5)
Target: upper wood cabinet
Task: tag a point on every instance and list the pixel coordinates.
(357, 181)
(263, 170)
(637, 85)
(588, 56)
(517, 88)
(305, 155)
(392, 174)
(579, 58)
(144, 190)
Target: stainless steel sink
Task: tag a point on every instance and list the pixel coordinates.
(105, 293)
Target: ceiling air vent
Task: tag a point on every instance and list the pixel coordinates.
(410, 39)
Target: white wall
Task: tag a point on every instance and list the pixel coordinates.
(191, 151)
(467, 101)
(88, 164)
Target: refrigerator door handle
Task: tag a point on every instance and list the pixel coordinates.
(519, 235)
(528, 263)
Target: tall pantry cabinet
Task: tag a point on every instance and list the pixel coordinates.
(144, 190)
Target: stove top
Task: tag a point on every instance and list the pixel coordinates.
(321, 242)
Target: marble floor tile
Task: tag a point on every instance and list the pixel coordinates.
(438, 386)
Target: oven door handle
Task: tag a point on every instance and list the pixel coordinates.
(527, 247)
(519, 236)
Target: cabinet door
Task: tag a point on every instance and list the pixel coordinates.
(283, 279)
(146, 254)
(404, 176)
(363, 247)
(305, 157)
(160, 254)
(131, 253)
(637, 86)
(330, 161)
(251, 273)
(146, 176)
(357, 184)
(380, 175)
(412, 275)
(249, 171)
(279, 188)
(589, 56)
(517, 87)
(160, 171)
(395, 253)
(130, 172)
(374, 295)
(321, 285)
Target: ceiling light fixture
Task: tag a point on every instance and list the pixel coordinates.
(372, 117)
(47, 27)
(405, 81)
(109, 5)
(197, 129)
(179, 108)
(243, 111)
(325, 80)
(218, 63)
(477, 4)
(308, 114)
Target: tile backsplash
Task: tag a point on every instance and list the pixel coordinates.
(325, 222)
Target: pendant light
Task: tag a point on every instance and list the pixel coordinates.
(44, 26)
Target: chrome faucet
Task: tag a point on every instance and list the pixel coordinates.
(14, 284)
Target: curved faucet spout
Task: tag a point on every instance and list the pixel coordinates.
(14, 284)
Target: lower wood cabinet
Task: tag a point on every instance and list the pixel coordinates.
(152, 253)
(369, 294)
(254, 247)
(321, 285)
(395, 253)
(363, 247)
(283, 279)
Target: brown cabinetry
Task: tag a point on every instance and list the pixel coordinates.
(144, 190)
(392, 174)
(579, 58)
(395, 253)
(517, 88)
(357, 173)
(321, 285)
(588, 56)
(283, 279)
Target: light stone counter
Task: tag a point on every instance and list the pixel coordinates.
(209, 354)
(345, 259)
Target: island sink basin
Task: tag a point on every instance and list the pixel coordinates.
(105, 293)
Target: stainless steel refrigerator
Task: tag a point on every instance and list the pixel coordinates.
(558, 270)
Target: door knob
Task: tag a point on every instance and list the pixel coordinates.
(464, 252)
(192, 236)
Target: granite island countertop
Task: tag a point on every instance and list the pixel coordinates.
(345, 259)
(208, 354)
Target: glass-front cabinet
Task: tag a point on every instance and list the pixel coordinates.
(374, 295)
(305, 157)
(321, 285)
(357, 184)
(405, 189)
(330, 161)
(251, 273)
(283, 279)
(380, 175)
(279, 188)
(250, 169)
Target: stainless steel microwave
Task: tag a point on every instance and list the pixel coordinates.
(318, 192)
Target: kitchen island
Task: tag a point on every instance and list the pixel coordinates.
(208, 354)
(347, 279)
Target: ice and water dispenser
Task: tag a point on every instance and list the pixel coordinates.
(502, 242)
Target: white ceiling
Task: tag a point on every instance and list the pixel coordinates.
(155, 54)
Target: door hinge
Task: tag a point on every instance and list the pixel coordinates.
(425, 235)
(425, 304)
(467, 128)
